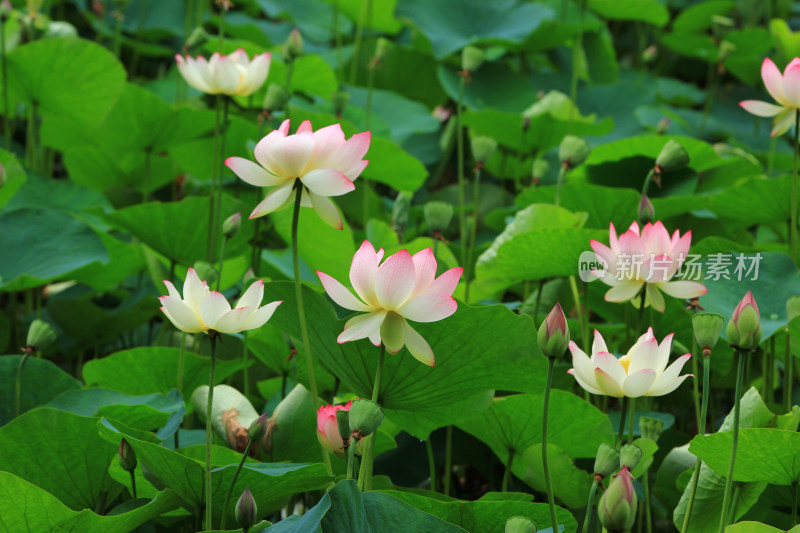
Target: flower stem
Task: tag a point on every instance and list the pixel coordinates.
(212, 337)
(473, 231)
(701, 429)
(365, 473)
(133, 484)
(220, 171)
(462, 218)
(431, 463)
(351, 460)
(245, 371)
(298, 290)
(695, 384)
(647, 511)
(576, 50)
(448, 461)
(357, 41)
(794, 504)
(18, 385)
(562, 174)
(548, 384)
(742, 355)
(233, 482)
(212, 194)
(631, 417)
(623, 414)
(788, 379)
(589, 518)
(583, 319)
(793, 208)
(221, 259)
(6, 125)
(507, 473)
(640, 315)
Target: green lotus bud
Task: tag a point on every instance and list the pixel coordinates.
(438, 215)
(126, 456)
(647, 212)
(258, 429)
(402, 204)
(650, 54)
(554, 333)
(472, 58)
(607, 460)
(663, 126)
(366, 417)
(277, 97)
(293, 47)
(726, 48)
(231, 225)
(206, 272)
(573, 151)
(793, 307)
(744, 328)
(343, 423)
(246, 511)
(198, 36)
(482, 148)
(61, 29)
(618, 506)
(707, 328)
(520, 524)
(40, 335)
(629, 456)
(651, 428)
(672, 157)
(540, 168)
(382, 47)
(339, 100)
(249, 277)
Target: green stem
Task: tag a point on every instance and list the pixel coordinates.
(298, 290)
(794, 504)
(222, 12)
(692, 493)
(337, 40)
(548, 384)
(180, 363)
(117, 46)
(622, 416)
(220, 171)
(462, 215)
(448, 460)
(589, 518)
(640, 315)
(365, 473)
(562, 174)
(576, 50)
(221, 260)
(695, 384)
(212, 194)
(631, 417)
(473, 231)
(18, 386)
(133, 484)
(647, 512)
(507, 473)
(741, 354)
(711, 85)
(431, 463)
(212, 337)
(351, 460)
(582, 318)
(647, 180)
(245, 370)
(233, 482)
(357, 42)
(793, 209)
(788, 379)
(367, 120)
(6, 125)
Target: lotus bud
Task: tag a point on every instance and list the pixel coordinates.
(554, 333)
(672, 157)
(328, 428)
(197, 37)
(206, 272)
(472, 58)
(40, 335)
(5, 10)
(438, 215)
(339, 101)
(607, 461)
(707, 328)
(793, 307)
(651, 428)
(647, 212)
(573, 151)
(540, 168)
(650, 54)
(629, 456)
(2, 175)
(382, 47)
(60, 29)
(366, 417)
(249, 277)
(293, 47)
(126, 456)
(663, 126)
(482, 148)
(258, 429)
(246, 510)
(402, 204)
(231, 225)
(520, 524)
(277, 97)
(726, 48)
(744, 328)
(447, 135)
(343, 423)
(618, 506)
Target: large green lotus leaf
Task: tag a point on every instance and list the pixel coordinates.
(403, 63)
(571, 18)
(311, 74)
(154, 370)
(71, 78)
(403, 116)
(416, 397)
(649, 11)
(269, 345)
(514, 423)
(295, 438)
(786, 41)
(487, 516)
(41, 382)
(572, 485)
(665, 486)
(765, 455)
(698, 17)
(754, 200)
(35, 254)
(89, 324)
(393, 166)
(382, 15)
(452, 24)
(124, 259)
(601, 204)
(13, 178)
(39, 192)
(178, 230)
(690, 44)
(26, 507)
(314, 19)
(601, 59)
(494, 85)
(701, 155)
(747, 526)
(60, 452)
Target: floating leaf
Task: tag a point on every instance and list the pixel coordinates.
(41, 382)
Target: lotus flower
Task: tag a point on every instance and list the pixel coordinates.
(648, 259)
(744, 328)
(642, 371)
(233, 74)
(402, 288)
(784, 89)
(328, 429)
(325, 163)
(203, 310)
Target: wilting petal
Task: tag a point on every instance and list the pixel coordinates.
(181, 316)
(252, 296)
(276, 199)
(761, 109)
(447, 282)
(773, 80)
(683, 289)
(327, 182)
(644, 356)
(340, 294)
(669, 380)
(392, 332)
(608, 385)
(783, 122)
(585, 386)
(233, 320)
(638, 383)
(394, 280)
(417, 345)
(361, 326)
(213, 306)
(326, 209)
(260, 316)
(363, 270)
(252, 173)
(428, 307)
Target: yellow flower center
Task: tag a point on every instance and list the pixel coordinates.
(625, 360)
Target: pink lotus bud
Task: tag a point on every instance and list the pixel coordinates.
(328, 428)
(554, 333)
(246, 510)
(258, 429)
(744, 328)
(126, 456)
(617, 508)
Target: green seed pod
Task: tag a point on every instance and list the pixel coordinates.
(707, 328)
(573, 151)
(539, 168)
(607, 460)
(277, 97)
(629, 456)
(651, 428)
(672, 157)
(366, 417)
(482, 148)
(438, 215)
(520, 524)
(40, 335)
(472, 58)
(293, 47)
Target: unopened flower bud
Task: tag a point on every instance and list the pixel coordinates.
(707, 327)
(650, 53)
(438, 215)
(744, 328)
(328, 432)
(366, 417)
(607, 460)
(382, 47)
(40, 335)
(647, 212)
(651, 428)
(246, 510)
(482, 148)
(629, 456)
(539, 169)
(206, 272)
(60, 29)
(339, 100)
(573, 151)
(520, 524)
(672, 157)
(472, 58)
(277, 97)
(231, 225)
(793, 307)
(726, 48)
(618, 506)
(293, 47)
(126, 456)
(343, 424)
(258, 429)
(663, 126)
(198, 36)
(402, 204)
(554, 333)
(249, 277)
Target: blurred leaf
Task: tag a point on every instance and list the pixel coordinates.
(573, 485)
(649, 11)
(41, 382)
(393, 166)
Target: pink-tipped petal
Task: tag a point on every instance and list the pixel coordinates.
(599, 343)
(608, 385)
(760, 109)
(327, 182)
(213, 306)
(417, 345)
(669, 380)
(612, 366)
(252, 173)
(624, 291)
(394, 280)
(585, 386)
(773, 80)
(638, 383)
(292, 153)
(363, 270)
(260, 316)
(683, 289)
(340, 294)
(447, 282)
(791, 84)
(181, 315)
(194, 290)
(233, 320)
(361, 326)
(305, 127)
(428, 307)
(252, 296)
(644, 356)
(582, 366)
(171, 290)
(424, 269)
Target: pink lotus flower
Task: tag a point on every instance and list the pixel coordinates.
(402, 288)
(203, 310)
(325, 163)
(233, 74)
(650, 259)
(784, 89)
(642, 371)
(328, 429)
